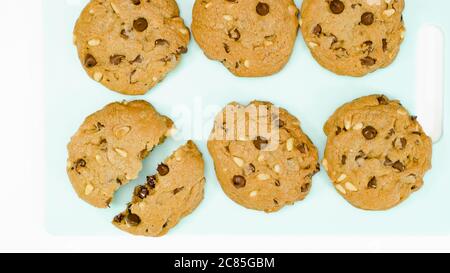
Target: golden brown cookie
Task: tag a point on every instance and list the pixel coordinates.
(167, 197)
(252, 38)
(262, 158)
(353, 37)
(376, 153)
(130, 45)
(108, 149)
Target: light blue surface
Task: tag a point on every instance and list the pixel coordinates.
(303, 88)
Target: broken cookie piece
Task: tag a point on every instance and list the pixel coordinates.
(107, 150)
(168, 196)
(376, 153)
(130, 46)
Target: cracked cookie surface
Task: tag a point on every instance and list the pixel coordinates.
(353, 37)
(262, 158)
(252, 38)
(167, 197)
(130, 45)
(376, 153)
(107, 150)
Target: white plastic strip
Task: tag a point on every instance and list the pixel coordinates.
(430, 80)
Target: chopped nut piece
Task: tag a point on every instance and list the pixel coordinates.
(121, 152)
(238, 161)
(263, 176)
(89, 189)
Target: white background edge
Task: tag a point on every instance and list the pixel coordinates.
(22, 167)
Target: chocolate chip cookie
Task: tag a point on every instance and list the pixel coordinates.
(353, 37)
(108, 149)
(130, 45)
(377, 153)
(251, 38)
(173, 193)
(262, 158)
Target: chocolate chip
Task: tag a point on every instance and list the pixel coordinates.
(142, 192)
(368, 61)
(303, 148)
(367, 46)
(337, 7)
(118, 218)
(341, 52)
(262, 9)
(226, 47)
(372, 183)
(390, 133)
(161, 42)
(136, 2)
(361, 155)
(167, 58)
(140, 24)
(277, 183)
(81, 163)
(387, 162)
(133, 220)
(182, 50)
(399, 166)
(343, 159)
(385, 45)
(234, 34)
(403, 141)
(116, 59)
(338, 131)
(239, 181)
(163, 169)
(306, 187)
(103, 144)
(317, 168)
(399, 143)
(382, 100)
(279, 123)
(317, 30)
(123, 34)
(144, 153)
(177, 190)
(99, 126)
(334, 40)
(367, 18)
(90, 61)
(260, 143)
(369, 133)
(251, 168)
(138, 59)
(151, 181)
